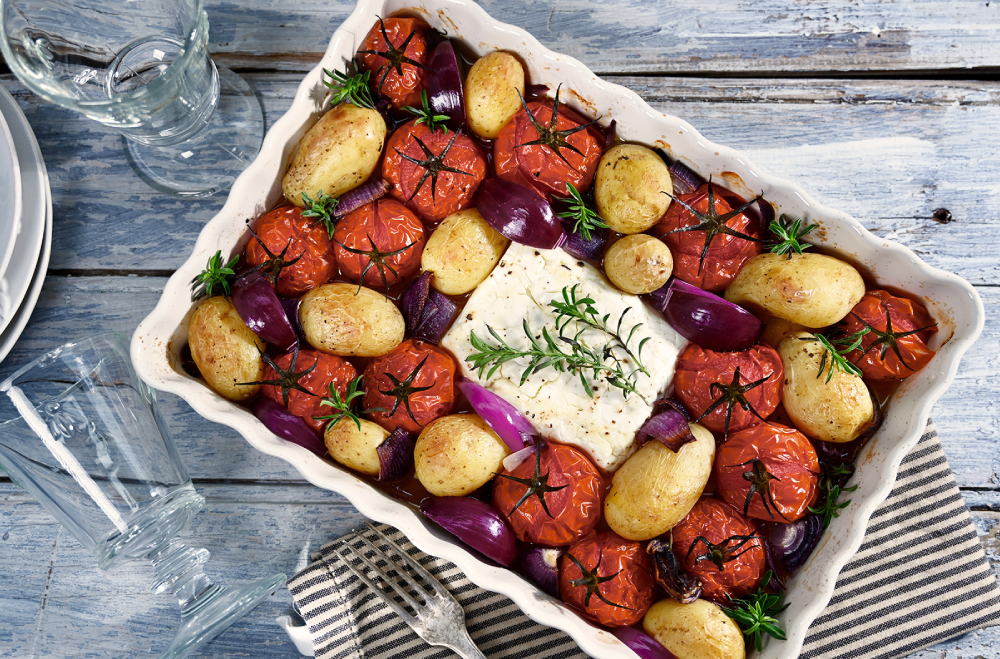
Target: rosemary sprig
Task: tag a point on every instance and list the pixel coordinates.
(351, 88)
(584, 218)
(790, 232)
(830, 489)
(322, 210)
(345, 406)
(755, 614)
(214, 274)
(836, 355)
(426, 114)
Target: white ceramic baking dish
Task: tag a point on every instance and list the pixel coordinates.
(953, 302)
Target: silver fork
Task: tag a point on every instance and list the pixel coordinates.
(439, 620)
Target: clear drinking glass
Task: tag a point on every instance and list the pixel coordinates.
(80, 431)
(142, 67)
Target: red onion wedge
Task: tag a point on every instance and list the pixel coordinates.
(444, 84)
(519, 213)
(260, 308)
(685, 179)
(642, 644)
(578, 246)
(609, 133)
(535, 92)
(670, 428)
(395, 455)
(475, 523)
(793, 543)
(707, 319)
(286, 425)
(428, 312)
(291, 306)
(512, 426)
(365, 193)
(541, 566)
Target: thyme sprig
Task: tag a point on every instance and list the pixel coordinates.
(755, 614)
(214, 275)
(830, 489)
(351, 88)
(790, 233)
(345, 406)
(585, 219)
(321, 209)
(836, 355)
(426, 115)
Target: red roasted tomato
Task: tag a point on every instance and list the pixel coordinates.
(706, 380)
(398, 70)
(568, 483)
(547, 167)
(895, 344)
(719, 546)
(433, 172)
(715, 269)
(379, 244)
(313, 372)
(608, 578)
(768, 471)
(299, 241)
(414, 383)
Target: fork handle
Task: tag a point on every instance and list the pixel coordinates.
(463, 646)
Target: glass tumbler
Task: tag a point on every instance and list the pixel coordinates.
(142, 67)
(81, 432)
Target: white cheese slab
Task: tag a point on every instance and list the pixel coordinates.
(521, 287)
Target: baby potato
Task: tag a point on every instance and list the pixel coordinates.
(777, 330)
(462, 252)
(354, 447)
(344, 319)
(491, 93)
(629, 187)
(336, 155)
(812, 290)
(835, 411)
(699, 630)
(638, 264)
(225, 349)
(656, 487)
(457, 454)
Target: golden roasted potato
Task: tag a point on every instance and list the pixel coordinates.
(629, 187)
(812, 290)
(336, 155)
(462, 252)
(699, 630)
(656, 488)
(345, 319)
(777, 330)
(457, 454)
(226, 351)
(835, 411)
(491, 90)
(639, 263)
(354, 447)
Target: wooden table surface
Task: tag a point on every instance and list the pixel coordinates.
(886, 110)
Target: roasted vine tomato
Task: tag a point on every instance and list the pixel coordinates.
(707, 380)
(300, 241)
(717, 544)
(608, 578)
(769, 472)
(313, 372)
(379, 244)
(714, 269)
(547, 168)
(399, 72)
(895, 342)
(414, 383)
(570, 486)
(433, 172)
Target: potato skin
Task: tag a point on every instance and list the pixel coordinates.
(835, 411)
(457, 454)
(656, 488)
(777, 330)
(336, 155)
(638, 264)
(812, 290)
(491, 90)
(629, 187)
(462, 252)
(699, 630)
(225, 349)
(354, 447)
(343, 319)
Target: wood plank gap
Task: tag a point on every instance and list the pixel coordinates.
(107, 272)
(977, 74)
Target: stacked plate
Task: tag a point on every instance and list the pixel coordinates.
(25, 221)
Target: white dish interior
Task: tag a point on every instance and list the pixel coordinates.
(954, 303)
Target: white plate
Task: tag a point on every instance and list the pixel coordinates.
(10, 209)
(25, 274)
(954, 303)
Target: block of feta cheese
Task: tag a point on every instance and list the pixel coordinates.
(521, 287)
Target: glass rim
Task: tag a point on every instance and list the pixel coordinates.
(118, 337)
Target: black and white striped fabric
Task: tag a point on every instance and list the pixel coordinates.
(920, 577)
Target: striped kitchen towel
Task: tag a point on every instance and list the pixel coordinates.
(920, 577)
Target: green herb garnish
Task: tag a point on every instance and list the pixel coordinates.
(790, 232)
(345, 406)
(214, 275)
(426, 115)
(321, 209)
(584, 218)
(830, 490)
(835, 355)
(351, 88)
(755, 614)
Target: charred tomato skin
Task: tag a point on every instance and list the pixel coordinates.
(329, 368)
(716, 521)
(305, 239)
(392, 227)
(537, 166)
(452, 191)
(576, 508)
(786, 454)
(726, 255)
(434, 385)
(401, 90)
(631, 585)
(905, 316)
